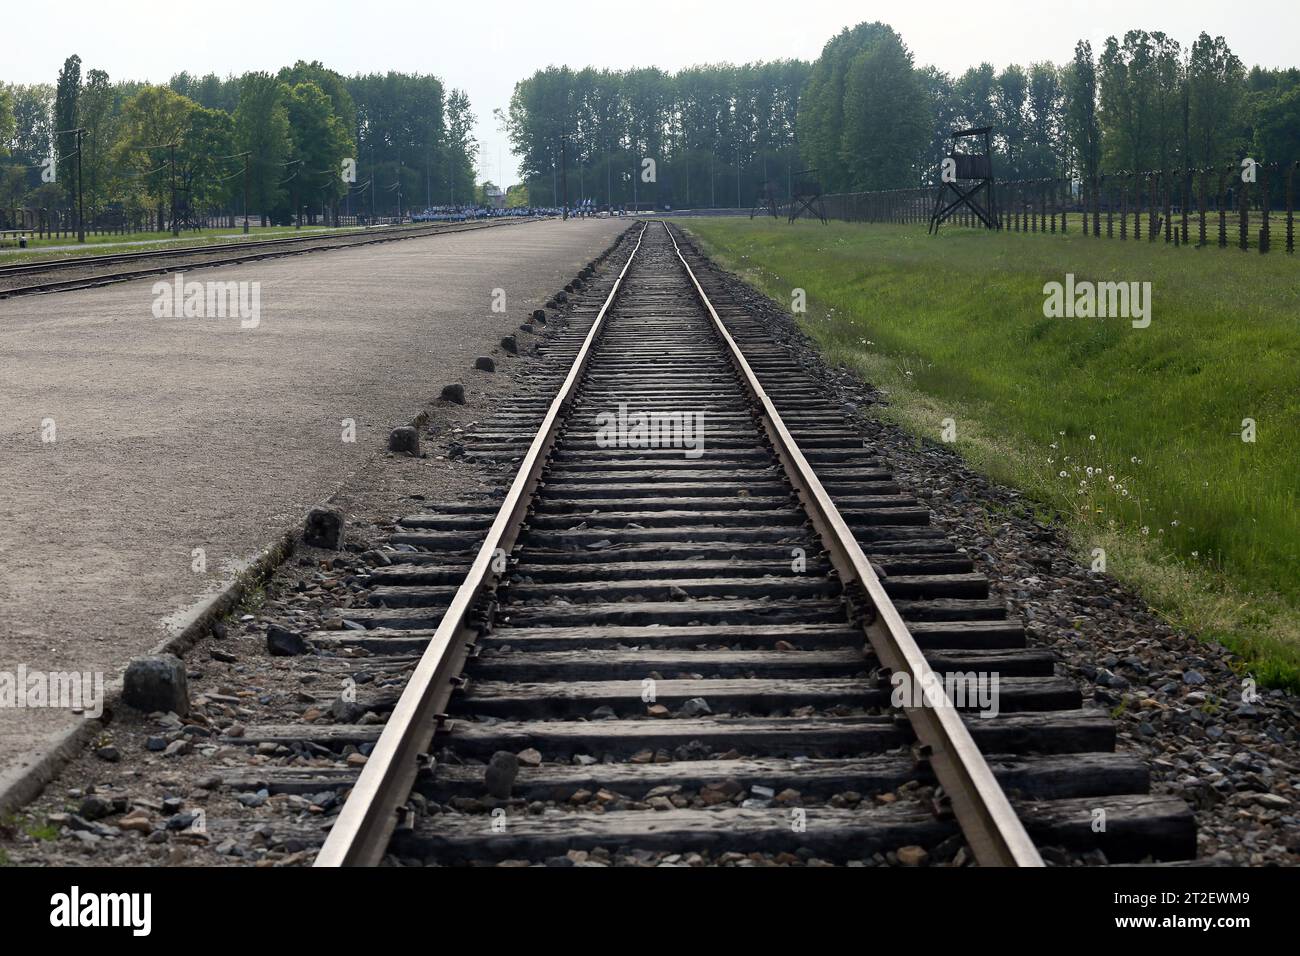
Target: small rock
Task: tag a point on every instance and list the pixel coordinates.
(95, 807)
(108, 754)
(454, 393)
(912, 856)
(182, 821)
(485, 363)
(346, 711)
(178, 748)
(324, 529)
(405, 441)
(696, 707)
(282, 642)
(137, 820)
(510, 344)
(157, 684)
(529, 758)
(501, 773)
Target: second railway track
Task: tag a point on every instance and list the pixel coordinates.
(688, 649)
(135, 265)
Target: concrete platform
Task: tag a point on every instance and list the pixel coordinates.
(180, 433)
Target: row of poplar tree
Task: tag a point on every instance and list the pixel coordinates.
(866, 117)
(410, 139)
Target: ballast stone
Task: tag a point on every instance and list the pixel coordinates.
(157, 684)
(324, 529)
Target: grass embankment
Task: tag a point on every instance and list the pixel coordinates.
(1135, 435)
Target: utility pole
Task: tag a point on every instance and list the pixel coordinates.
(81, 202)
(246, 155)
(564, 175)
(176, 226)
(737, 175)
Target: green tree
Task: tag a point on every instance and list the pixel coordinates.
(1044, 153)
(1215, 90)
(1277, 128)
(1142, 102)
(517, 196)
(153, 120)
(823, 120)
(885, 117)
(332, 84)
(1011, 111)
(100, 118)
(462, 146)
(321, 141)
(1082, 125)
(7, 122)
(975, 93)
(262, 129)
(202, 170)
(67, 92)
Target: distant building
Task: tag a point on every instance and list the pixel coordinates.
(496, 197)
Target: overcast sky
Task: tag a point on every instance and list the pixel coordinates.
(486, 47)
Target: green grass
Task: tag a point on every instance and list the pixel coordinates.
(952, 327)
(27, 823)
(109, 245)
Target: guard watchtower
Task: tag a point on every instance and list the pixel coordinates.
(765, 201)
(806, 196)
(965, 175)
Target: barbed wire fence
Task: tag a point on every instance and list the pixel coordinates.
(1238, 205)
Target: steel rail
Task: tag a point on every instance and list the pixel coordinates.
(994, 832)
(360, 835)
(70, 262)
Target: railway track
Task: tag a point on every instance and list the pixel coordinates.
(694, 648)
(169, 260)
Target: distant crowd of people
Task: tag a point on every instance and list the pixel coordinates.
(585, 209)
(466, 213)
